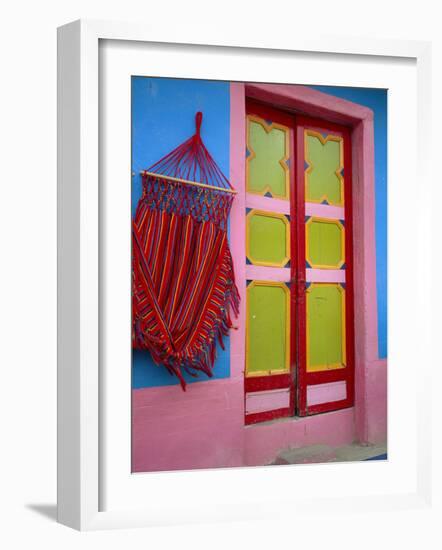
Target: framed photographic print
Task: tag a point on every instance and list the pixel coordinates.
(225, 250)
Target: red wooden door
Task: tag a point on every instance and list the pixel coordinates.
(299, 299)
(270, 253)
(324, 273)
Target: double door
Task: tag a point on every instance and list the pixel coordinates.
(299, 298)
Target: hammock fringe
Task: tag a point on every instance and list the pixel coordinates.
(201, 354)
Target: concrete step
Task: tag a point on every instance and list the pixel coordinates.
(325, 453)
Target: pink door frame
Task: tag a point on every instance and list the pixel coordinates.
(370, 372)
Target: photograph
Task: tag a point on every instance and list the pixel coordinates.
(219, 269)
(259, 274)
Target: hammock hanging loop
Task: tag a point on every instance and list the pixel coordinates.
(198, 122)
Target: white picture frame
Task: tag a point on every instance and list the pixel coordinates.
(82, 445)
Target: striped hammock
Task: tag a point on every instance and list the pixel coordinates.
(183, 284)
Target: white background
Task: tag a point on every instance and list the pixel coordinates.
(28, 267)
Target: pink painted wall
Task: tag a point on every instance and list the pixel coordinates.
(200, 428)
(377, 412)
(204, 426)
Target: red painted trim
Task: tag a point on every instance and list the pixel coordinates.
(318, 124)
(328, 407)
(349, 267)
(267, 415)
(294, 252)
(267, 112)
(325, 376)
(300, 271)
(261, 383)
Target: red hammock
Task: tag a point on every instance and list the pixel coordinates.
(183, 283)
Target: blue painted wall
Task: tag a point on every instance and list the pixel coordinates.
(377, 101)
(163, 115)
(163, 112)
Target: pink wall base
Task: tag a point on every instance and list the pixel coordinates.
(200, 428)
(204, 427)
(376, 388)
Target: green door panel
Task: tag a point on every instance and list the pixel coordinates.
(265, 171)
(325, 327)
(267, 328)
(324, 159)
(325, 243)
(268, 238)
